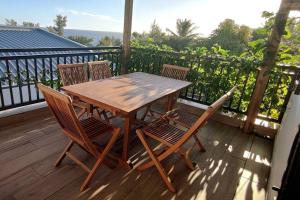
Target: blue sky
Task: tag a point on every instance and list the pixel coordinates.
(107, 15)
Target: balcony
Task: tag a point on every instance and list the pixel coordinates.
(235, 166)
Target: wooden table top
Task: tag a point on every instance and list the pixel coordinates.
(128, 92)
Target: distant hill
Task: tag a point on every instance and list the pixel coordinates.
(95, 35)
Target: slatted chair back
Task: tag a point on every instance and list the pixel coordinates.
(175, 72)
(61, 107)
(73, 73)
(99, 69)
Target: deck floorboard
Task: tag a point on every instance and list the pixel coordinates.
(235, 166)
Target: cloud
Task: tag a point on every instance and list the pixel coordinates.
(88, 14)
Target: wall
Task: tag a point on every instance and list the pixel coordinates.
(283, 143)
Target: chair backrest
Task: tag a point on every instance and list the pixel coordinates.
(61, 107)
(175, 72)
(99, 69)
(73, 73)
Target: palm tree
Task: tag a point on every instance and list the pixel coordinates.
(184, 29)
(184, 34)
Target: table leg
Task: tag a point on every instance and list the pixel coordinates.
(127, 129)
(170, 102)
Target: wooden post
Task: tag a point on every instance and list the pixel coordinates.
(267, 65)
(126, 35)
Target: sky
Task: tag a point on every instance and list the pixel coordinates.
(107, 15)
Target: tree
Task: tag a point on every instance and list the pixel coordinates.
(10, 22)
(139, 37)
(81, 39)
(109, 41)
(156, 33)
(230, 36)
(184, 29)
(30, 24)
(59, 23)
(184, 34)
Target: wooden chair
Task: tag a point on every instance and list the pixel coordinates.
(175, 72)
(170, 71)
(99, 69)
(82, 132)
(173, 139)
(72, 74)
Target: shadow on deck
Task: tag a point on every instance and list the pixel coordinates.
(235, 166)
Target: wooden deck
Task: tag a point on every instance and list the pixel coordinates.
(235, 166)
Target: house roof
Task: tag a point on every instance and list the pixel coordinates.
(20, 37)
(25, 38)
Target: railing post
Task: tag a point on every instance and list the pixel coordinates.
(268, 63)
(126, 35)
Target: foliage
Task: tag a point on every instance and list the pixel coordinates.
(109, 41)
(31, 24)
(184, 28)
(60, 22)
(10, 22)
(82, 40)
(184, 34)
(230, 36)
(157, 34)
(214, 71)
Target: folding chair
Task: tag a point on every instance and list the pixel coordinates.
(173, 139)
(170, 71)
(72, 74)
(82, 132)
(99, 69)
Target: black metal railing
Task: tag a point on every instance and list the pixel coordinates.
(22, 69)
(213, 75)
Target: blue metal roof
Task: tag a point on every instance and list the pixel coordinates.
(20, 37)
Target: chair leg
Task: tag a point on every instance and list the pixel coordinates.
(146, 112)
(100, 159)
(82, 112)
(105, 116)
(202, 149)
(63, 155)
(185, 156)
(158, 165)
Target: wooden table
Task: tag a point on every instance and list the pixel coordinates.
(126, 94)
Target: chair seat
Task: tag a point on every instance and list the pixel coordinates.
(184, 118)
(93, 127)
(164, 131)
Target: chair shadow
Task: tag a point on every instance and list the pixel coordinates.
(216, 177)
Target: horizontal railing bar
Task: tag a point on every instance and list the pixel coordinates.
(55, 55)
(21, 104)
(58, 49)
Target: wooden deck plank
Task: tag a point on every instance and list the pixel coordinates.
(235, 165)
(257, 166)
(14, 166)
(53, 182)
(250, 190)
(15, 182)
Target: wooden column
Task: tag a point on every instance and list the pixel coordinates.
(267, 65)
(126, 35)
